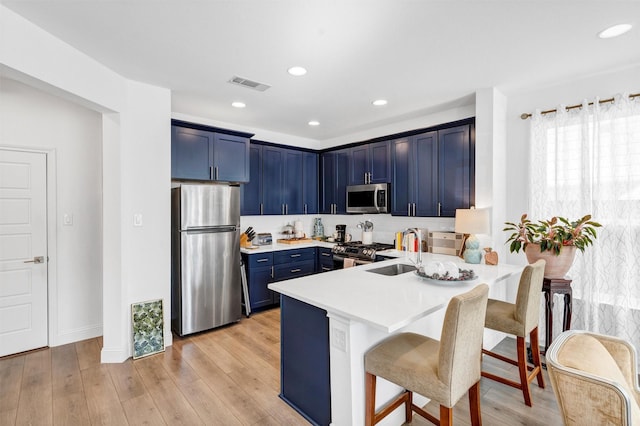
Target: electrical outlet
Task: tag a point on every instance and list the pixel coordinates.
(137, 219)
(67, 219)
(339, 339)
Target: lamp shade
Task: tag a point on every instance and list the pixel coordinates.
(472, 221)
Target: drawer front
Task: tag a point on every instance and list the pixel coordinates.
(260, 260)
(294, 270)
(325, 259)
(297, 255)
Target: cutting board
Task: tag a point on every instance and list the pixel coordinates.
(295, 241)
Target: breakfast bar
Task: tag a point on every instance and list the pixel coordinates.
(337, 316)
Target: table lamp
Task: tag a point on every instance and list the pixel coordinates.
(472, 221)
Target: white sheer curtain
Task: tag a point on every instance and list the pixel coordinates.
(587, 161)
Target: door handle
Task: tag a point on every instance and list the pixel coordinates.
(37, 259)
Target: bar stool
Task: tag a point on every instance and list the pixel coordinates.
(440, 370)
(520, 319)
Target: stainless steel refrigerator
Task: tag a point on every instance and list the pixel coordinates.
(205, 250)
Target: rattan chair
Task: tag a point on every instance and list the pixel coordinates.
(595, 379)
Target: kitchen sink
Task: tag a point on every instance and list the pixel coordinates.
(397, 269)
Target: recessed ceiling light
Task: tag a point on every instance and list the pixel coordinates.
(314, 123)
(614, 31)
(297, 71)
(238, 104)
(379, 102)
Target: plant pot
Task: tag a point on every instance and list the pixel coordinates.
(557, 266)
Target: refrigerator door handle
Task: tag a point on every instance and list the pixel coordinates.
(210, 229)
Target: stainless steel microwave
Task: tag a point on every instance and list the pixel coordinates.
(372, 198)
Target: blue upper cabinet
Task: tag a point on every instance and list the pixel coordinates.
(335, 178)
(230, 158)
(207, 154)
(272, 180)
(433, 173)
(293, 184)
(251, 192)
(456, 176)
(191, 153)
(370, 163)
(415, 175)
(283, 182)
(310, 183)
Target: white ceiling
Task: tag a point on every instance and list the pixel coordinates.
(419, 55)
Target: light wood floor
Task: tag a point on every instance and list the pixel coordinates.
(229, 376)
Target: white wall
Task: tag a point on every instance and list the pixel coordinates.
(135, 164)
(72, 136)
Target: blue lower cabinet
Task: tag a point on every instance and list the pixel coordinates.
(259, 269)
(324, 262)
(305, 374)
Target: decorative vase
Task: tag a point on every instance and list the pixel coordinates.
(557, 265)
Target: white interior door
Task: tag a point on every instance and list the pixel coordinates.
(23, 251)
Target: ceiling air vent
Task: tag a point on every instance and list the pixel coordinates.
(249, 83)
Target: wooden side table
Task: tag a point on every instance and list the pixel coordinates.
(551, 286)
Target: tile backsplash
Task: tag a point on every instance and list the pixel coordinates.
(384, 225)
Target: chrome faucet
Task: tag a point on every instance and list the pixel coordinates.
(419, 252)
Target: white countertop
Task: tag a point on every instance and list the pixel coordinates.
(277, 247)
(388, 303)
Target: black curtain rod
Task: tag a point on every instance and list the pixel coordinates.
(526, 115)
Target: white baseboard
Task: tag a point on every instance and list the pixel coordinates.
(72, 336)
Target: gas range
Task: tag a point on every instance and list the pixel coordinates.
(357, 250)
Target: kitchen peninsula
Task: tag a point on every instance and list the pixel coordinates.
(330, 320)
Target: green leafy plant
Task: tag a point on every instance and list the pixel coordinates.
(551, 234)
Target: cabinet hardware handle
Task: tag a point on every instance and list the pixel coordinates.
(305, 208)
(414, 209)
(216, 172)
(261, 209)
(439, 208)
(262, 260)
(295, 270)
(272, 274)
(286, 209)
(210, 172)
(324, 268)
(295, 255)
(408, 209)
(326, 254)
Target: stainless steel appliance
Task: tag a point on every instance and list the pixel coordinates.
(205, 249)
(372, 198)
(341, 232)
(360, 254)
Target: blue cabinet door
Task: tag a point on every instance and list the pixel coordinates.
(293, 183)
(310, 182)
(251, 192)
(230, 158)
(402, 198)
(380, 162)
(260, 296)
(304, 360)
(456, 170)
(273, 178)
(191, 153)
(425, 169)
(327, 191)
(360, 165)
(342, 180)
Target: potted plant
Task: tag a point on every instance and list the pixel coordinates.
(554, 240)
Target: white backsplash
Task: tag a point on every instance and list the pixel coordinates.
(385, 226)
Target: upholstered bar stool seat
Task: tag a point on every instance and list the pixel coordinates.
(520, 319)
(442, 371)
